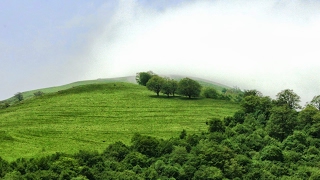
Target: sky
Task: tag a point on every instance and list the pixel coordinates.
(268, 45)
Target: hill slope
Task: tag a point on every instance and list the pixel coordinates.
(129, 79)
(92, 116)
(29, 94)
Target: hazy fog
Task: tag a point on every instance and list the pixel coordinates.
(265, 45)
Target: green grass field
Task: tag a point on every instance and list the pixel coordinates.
(90, 117)
(29, 94)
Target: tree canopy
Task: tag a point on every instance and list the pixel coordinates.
(316, 102)
(189, 87)
(155, 84)
(19, 96)
(143, 77)
(289, 98)
(210, 92)
(252, 92)
(169, 86)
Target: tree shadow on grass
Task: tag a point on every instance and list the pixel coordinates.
(174, 97)
(164, 97)
(191, 99)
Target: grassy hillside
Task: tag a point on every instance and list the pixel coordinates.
(29, 94)
(90, 117)
(130, 79)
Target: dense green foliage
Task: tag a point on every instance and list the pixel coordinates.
(169, 86)
(90, 117)
(19, 96)
(289, 98)
(155, 84)
(316, 102)
(210, 92)
(185, 87)
(143, 77)
(189, 87)
(264, 139)
(230, 149)
(38, 93)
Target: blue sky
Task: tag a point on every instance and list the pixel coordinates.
(269, 45)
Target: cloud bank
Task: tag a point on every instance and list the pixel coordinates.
(265, 45)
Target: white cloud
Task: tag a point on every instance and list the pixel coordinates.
(265, 45)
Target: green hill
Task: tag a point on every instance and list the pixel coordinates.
(29, 94)
(129, 79)
(89, 117)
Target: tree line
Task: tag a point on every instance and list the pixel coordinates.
(185, 87)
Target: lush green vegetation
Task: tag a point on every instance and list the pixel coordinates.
(265, 139)
(131, 79)
(121, 131)
(186, 87)
(92, 116)
(32, 93)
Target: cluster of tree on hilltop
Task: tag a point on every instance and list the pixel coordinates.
(186, 86)
(168, 86)
(266, 139)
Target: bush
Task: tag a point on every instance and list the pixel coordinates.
(210, 92)
(4, 105)
(19, 96)
(38, 93)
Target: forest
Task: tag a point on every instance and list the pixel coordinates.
(266, 139)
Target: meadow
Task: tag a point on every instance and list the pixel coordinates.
(90, 117)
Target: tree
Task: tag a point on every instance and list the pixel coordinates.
(210, 92)
(207, 172)
(4, 105)
(169, 86)
(118, 150)
(143, 77)
(155, 84)
(250, 103)
(252, 92)
(307, 117)
(224, 90)
(174, 86)
(316, 102)
(282, 122)
(38, 93)
(189, 87)
(146, 145)
(19, 96)
(216, 125)
(271, 153)
(290, 98)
